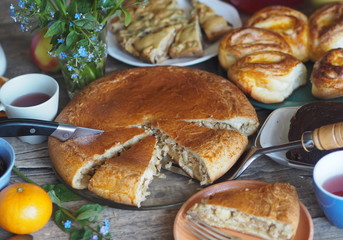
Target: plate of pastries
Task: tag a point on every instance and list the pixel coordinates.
(247, 210)
(283, 58)
(171, 32)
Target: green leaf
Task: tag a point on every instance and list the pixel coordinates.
(60, 217)
(89, 211)
(72, 38)
(88, 234)
(78, 234)
(57, 27)
(127, 16)
(64, 194)
(87, 24)
(84, 6)
(54, 198)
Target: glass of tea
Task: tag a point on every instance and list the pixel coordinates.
(33, 96)
(328, 183)
(7, 158)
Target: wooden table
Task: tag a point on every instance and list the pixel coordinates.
(33, 160)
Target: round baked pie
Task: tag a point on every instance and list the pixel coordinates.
(240, 42)
(326, 29)
(291, 24)
(327, 75)
(199, 119)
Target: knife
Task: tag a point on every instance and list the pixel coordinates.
(15, 127)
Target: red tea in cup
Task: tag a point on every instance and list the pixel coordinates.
(30, 100)
(334, 185)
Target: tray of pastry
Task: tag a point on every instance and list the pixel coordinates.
(170, 13)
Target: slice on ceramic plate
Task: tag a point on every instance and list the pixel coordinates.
(221, 8)
(304, 230)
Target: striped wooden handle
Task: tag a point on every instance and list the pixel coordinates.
(329, 136)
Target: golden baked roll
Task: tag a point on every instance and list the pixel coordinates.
(326, 29)
(327, 75)
(268, 77)
(291, 24)
(271, 211)
(203, 153)
(240, 42)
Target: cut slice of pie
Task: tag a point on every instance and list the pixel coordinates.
(188, 41)
(271, 211)
(214, 25)
(203, 153)
(76, 160)
(126, 178)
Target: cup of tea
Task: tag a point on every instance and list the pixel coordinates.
(7, 158)
(328, 184)
(33, 96)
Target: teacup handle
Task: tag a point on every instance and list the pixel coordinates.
(329, 137)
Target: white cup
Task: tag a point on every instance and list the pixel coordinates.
(30, 84)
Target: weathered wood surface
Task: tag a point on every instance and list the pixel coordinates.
(33, 160)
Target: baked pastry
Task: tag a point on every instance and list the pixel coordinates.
(326, 29)
(327, 75)
(126, 103)
(214, 25)
(240, 42)
(188, 41)
(271, 211)
(268, 77)
(180, 140)
(307, 118)
(126, 178)
(291, 24)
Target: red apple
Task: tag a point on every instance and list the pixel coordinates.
(40, 46)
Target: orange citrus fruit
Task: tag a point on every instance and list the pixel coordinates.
(24, 208)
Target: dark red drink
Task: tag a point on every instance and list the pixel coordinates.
(334, 185)
(30, 100)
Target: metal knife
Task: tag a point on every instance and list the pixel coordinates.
(15, 127)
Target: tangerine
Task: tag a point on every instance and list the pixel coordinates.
(24, 208)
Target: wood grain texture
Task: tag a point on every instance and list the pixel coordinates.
(33, 160)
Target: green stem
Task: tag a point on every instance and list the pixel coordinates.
(112, 11)
(22, 176)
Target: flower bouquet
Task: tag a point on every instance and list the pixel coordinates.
(78, 33)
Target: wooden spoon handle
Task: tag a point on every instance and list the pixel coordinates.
(329, 136)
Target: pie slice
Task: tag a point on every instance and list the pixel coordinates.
(126, 178)
(270, 212)
(188, 41)
(76, 160)
(214, 26)
(203, 153)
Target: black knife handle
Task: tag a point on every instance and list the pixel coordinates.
(15, 127)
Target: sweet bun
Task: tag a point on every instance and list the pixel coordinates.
(326, 29)
(327, 75)
(268, 77)
(240, 42)
(291, 24)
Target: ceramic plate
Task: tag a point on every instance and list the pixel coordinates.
(304, 231)
(3, 63)
(274, 131)
(224, 9)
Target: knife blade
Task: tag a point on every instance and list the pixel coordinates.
(15, 127)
